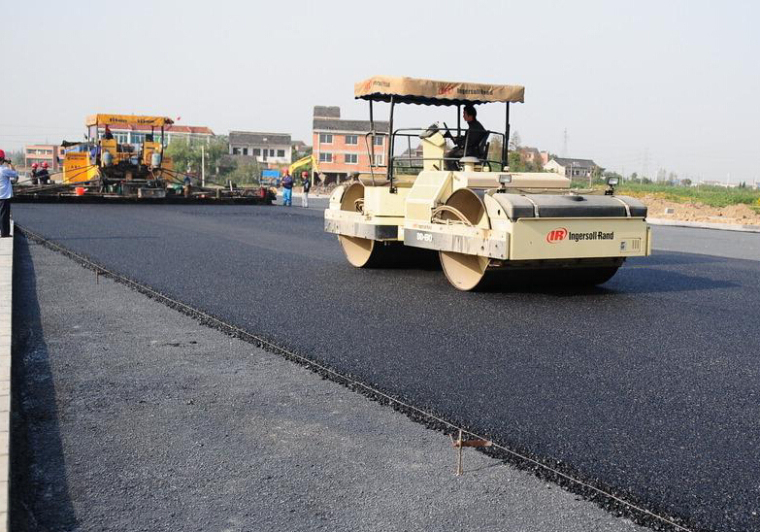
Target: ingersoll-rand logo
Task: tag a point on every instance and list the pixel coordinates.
(560, 233)
(556, 235)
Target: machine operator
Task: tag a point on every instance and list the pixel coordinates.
(471, 139)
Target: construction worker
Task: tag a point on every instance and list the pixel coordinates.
(287, 189)
(35, 179)
(6, 193)
(43, 175)
(306, 188)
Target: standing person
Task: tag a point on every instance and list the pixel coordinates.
(35, 179)
(43, 176)
(6, 193)
(287, 189)
(306, 189)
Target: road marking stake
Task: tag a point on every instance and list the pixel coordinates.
(461, 443)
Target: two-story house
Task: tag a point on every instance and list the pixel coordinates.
(342, 148)
(267, 148)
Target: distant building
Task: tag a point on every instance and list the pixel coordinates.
(340, 146)
(533, 156)
(299, 149)
(135, 134)
(571, 167)
(267, 148)
(716, 183)
(43, 153)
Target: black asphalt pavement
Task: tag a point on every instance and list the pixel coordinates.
(130, 417)
(649, 386)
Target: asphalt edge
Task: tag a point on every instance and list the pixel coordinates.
(6, 316)
(706, 225)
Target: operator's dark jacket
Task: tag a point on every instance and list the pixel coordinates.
(474, 136)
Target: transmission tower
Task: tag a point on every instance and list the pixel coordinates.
(564, 144)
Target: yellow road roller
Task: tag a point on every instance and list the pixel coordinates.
(487, 224)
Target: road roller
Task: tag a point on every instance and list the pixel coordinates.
(488, 225)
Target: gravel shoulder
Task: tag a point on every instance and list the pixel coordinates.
(132, 416)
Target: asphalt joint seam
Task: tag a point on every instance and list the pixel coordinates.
(614, 501)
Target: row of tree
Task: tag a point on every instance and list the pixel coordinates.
(219, 165)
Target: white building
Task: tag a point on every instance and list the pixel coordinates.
(272, 148)
(571, 167)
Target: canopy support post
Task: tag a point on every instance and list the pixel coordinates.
(459, 119)
(373, 134)
(505, 147)
(389, 160)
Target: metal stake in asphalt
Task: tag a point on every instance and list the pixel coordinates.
(460, 444)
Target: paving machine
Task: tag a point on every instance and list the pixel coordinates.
(486, 222)
(131, 168)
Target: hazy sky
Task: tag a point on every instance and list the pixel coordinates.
(637, 85)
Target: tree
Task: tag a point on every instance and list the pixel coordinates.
(187, 156)
(494, 149)
(515, 142)
(686, 182)
(17, 157)
(516, 163)
(216, 149)
(246, 172)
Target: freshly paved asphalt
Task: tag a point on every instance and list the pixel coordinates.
(649, 385)
(130, 416)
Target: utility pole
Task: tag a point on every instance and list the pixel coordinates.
(203, 166)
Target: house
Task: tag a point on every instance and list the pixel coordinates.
(571, 167)
(533, 156)
(43, 153)
(299, 149)
(342, 147)
(269, 148)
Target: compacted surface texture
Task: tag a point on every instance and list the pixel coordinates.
(648, 385)
(130, 416)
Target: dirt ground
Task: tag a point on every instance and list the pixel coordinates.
(697, 212)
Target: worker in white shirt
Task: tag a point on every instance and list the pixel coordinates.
(6, 193)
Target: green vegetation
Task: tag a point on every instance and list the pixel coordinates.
(220, 167)
(708, 195)
(187, 156)
(17, 157)
(244, 173)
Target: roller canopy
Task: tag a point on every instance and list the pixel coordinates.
(432, 92)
